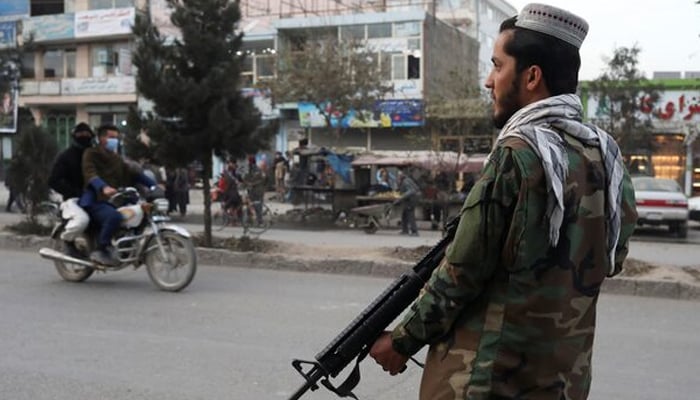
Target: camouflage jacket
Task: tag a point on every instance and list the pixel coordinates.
(507, 315)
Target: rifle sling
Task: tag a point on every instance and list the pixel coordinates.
(345, 388)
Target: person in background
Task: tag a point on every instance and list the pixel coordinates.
(181, 189)
(510, 312)
(280, 165)
(255, 183)
(228, 188)
(14, 182)
(103, 171)
(66, 178)
(410, 193)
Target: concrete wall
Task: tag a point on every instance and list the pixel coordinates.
(448, 55)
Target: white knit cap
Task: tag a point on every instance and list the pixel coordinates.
(553, 21)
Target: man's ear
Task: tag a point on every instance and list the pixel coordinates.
(534, 77)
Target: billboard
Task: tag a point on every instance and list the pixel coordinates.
(8, 112)
(107, 22)
(386, 114)
(12, 10)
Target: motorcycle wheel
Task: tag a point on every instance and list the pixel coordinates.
(177, 271)
(68, 271)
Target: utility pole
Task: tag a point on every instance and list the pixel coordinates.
(691, 133)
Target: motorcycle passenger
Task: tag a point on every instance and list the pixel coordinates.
(66, 178)
(104, 171)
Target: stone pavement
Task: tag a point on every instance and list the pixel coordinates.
(335, 238)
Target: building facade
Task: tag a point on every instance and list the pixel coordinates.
(673, 152)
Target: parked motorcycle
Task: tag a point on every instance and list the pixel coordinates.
(144, 237)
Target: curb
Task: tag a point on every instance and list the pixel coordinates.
(384, 269)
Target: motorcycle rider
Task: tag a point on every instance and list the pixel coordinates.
(104, 171)
(66, 178)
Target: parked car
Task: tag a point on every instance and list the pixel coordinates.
(661, 202)
(694, 208)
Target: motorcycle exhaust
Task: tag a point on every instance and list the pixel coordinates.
(52, 254)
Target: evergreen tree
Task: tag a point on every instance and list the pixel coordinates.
(28, 172)
(194, 84)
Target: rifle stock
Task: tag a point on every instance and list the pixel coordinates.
(357, 338)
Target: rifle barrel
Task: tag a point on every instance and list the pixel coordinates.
(312, 379)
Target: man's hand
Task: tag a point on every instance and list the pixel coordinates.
(108, 191)
(383, 352)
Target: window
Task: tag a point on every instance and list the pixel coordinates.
(399, 66)
(385, 65)
(59, 63)
(413, 67)
(28, 65)
(352, 32)
(111, 59)
(264, 66)
(405, 29)
(103, 4)
(378, 30)
(44, 7)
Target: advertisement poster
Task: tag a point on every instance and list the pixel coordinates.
(8, 112)
(386, 114)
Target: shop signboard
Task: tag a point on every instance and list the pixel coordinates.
(8, 32)
(386, 114)
(673, 106)
(12, 10)
(107, 22)
(102, 85)
(50, 27)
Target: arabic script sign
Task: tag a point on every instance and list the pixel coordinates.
(106, 85)
(672, 106)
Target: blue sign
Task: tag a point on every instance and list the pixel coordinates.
(13, 9)
(8, 31)
(385, 114)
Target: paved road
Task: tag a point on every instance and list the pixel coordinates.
(232, 334)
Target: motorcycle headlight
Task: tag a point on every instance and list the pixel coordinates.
(161, 205)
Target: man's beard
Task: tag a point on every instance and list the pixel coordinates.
(509, 105)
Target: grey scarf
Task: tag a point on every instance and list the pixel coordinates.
(537, 124)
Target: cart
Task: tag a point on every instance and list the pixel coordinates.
(371, 218)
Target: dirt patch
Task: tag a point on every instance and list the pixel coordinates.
(633, 269)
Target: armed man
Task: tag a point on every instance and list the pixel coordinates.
(510, 312)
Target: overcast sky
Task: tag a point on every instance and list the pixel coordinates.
(667, 31)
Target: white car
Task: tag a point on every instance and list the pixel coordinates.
(694, 207)
(661, 202)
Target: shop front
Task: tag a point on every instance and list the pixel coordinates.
(670, 150)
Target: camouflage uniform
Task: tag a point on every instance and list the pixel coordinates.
(507, 315)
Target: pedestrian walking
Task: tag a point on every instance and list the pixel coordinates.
(409, 200)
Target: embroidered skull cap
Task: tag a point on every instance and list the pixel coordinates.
(553, 21)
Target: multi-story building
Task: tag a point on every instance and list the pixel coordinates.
(81, 67)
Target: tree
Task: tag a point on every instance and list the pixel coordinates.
(623, 93)
(29, 170)
(194, 85)
(338, 77)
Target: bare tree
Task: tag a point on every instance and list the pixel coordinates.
(338, 77)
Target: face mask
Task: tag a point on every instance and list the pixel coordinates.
(83, 141)
(112, 144)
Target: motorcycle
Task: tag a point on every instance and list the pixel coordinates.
(144, 237)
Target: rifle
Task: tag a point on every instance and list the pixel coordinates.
(358, 337)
